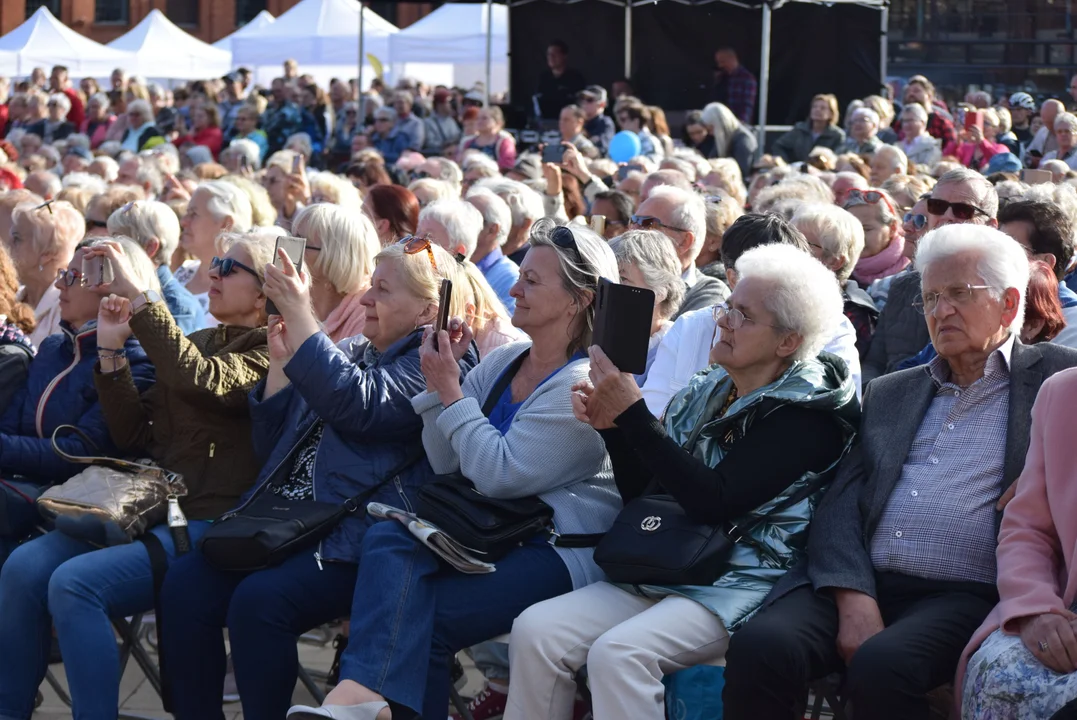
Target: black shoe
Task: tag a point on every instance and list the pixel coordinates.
(340, 644)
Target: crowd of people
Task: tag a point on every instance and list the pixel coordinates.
(861, 353)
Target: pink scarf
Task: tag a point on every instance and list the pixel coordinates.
(347, 319)
(888, 262)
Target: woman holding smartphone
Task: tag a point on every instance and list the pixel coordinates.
(329, 422)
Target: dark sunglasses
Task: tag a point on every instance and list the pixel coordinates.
(562, 237)
(91, 224)
(962, 211)
(918, 221)
(227, 266)
(414, 245)
(647, 222)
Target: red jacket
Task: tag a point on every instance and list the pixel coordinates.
(211, 137)
(77, 114)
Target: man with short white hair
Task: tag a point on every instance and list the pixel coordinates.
(526, 207)
(453, 224)
(681, 215)
(440, 168)
(477, 167)
(1045, 140)
(498, 270)
(900, 569)
(887, 162)
(136, 171)
(670, 177)
(863, 133)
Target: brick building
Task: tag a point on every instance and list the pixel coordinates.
(208, 20)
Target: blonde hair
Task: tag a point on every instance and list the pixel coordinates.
(258, 245)
(348, 241)
(488, 306)
(79, 197)
(832, 103)
(722, 123)
(423, 281)
(57, 228)
(336, 190)
(263, 214)
(282, 159)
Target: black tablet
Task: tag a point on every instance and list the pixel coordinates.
(623, 324)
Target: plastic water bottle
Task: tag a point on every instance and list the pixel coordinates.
(177, 525)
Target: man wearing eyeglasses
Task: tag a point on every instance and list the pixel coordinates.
(901, 564)
(962, 196)
(681, 215)
(597, 126)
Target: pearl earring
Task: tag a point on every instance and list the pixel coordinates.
(41, 268)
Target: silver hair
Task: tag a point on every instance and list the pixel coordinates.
(494, 211)
(461, 220)
(837, 231)
(86, 181)
(1003, 263)
(985, 191)
(899, 160)
(62, 100)
(145, 220)
(653, 255)
(448, 171)
(143, 108)
(227, 200)
(78, 140)
(803, 296)
(524, 203)
(722, 123)
(871, 115)
(439, 189)
(111, 167)
(248, 149)
(915, 109)
(385, 113)
(1066, 120)
(689, 212)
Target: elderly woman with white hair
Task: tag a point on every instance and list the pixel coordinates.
(1066, 135)
(732, 138)
(155, 227)
(714, 455)
(55, 126)
(863, 138)
(339, 258)
(215, 207)
(98, 120)
(43, 239)
(242, 155)
(919, 147)
(647, 260)
(141, 133)
(836, 239)
(429, 190)
(386, 137)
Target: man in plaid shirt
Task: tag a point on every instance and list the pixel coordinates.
(939, 122)
(734, 86)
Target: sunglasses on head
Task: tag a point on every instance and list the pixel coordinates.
(856, 196)
(562, 237)
(414, 244)
(227, 266)
(961, 211)
(915, 219)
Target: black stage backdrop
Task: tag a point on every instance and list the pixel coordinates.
(814, 49)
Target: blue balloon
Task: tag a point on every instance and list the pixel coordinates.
(624, 146)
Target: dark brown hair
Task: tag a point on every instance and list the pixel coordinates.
(398, 205)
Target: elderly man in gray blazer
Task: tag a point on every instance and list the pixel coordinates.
(901, 559)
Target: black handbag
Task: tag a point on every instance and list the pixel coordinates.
(654, 542)
(491, 527)
(269, 528)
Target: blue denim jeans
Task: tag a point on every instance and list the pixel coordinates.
(411, 614)
(58, 580)
(265, 613)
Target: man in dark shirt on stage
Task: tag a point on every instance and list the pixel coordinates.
(734, 86)
(558, 84)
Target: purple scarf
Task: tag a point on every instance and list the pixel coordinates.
(886, 263)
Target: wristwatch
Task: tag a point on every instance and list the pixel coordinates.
(144, 298)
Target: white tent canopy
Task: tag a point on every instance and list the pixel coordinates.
(451, 43)
(43, 40)
(162, 50)
(321, 35)
(260, 21)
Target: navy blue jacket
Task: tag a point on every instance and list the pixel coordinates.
(60, 390)
(370, 427)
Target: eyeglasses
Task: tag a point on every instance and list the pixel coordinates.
(917, 220)
(955, 296)
(856, 196)
(734, 318)
(648, 222)
(227, 266)
(962, 211)
(91, 224)
(68, 277)
(414, 244)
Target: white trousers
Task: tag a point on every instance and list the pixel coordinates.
(627, 642)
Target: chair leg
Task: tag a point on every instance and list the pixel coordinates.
(50, 678)
(311, 686)
(837, 708)
(459, 703)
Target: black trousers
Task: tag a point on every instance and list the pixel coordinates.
(793, 642)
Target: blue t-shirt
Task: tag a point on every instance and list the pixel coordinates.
(503, 413)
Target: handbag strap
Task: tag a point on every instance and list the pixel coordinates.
(574, 541)
(114, 463)
(503, 382)
(359, 501)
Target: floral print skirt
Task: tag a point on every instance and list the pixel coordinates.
(1005, 681)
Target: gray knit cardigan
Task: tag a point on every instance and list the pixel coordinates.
(546, 452)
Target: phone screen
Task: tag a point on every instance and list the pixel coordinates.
(297, 163)
(553, 153)
(294, 247)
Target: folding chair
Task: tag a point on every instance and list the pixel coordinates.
(130, 632)
(826, 690)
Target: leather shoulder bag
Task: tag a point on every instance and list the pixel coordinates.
(491, 527)
(131, 496)
(269, 528)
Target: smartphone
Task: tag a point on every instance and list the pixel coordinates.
(553, 153)
(974, 118)
(1037, 177)
(244, 162)
(444, 299)
(598, 224)
(98, 270)
(297, 163)
(294, 247)
(623, 324)
(1036, 153)
(622, 173)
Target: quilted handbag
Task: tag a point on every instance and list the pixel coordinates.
(132, 496)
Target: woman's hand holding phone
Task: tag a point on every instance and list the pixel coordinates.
(439, 364)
